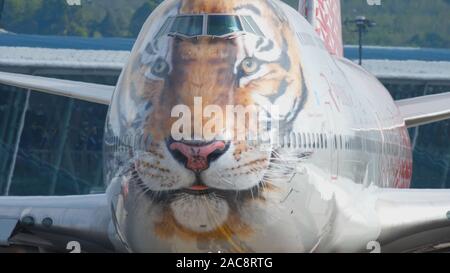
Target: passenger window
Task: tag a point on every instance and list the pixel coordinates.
(316, 144)
(219, 25)
(304, 141)
(188, 25)
(317, 141)
(293, 140)
(282, 142)
(313, 136)
(309, 141)
(299, 140)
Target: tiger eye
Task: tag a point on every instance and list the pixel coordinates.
(160, 68)
(249, 66)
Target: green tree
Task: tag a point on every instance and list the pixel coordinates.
(399, 22)
(109, 26)
(2, 6)
(402, 22)
(52, 17)
(141, 15)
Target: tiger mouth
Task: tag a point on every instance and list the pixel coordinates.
(200, 189)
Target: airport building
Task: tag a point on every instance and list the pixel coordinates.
(51, 145)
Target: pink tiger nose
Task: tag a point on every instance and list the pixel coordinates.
(197, 156)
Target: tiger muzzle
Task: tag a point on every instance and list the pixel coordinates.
(197, 155)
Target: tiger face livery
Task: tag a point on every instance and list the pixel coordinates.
(216, 190)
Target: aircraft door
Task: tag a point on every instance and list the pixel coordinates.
(333, 143)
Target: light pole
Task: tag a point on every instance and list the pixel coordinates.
(362, 26)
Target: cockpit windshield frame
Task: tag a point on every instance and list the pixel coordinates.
(245, 26)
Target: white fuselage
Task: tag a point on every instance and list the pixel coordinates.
(347, 140)
(368, 142)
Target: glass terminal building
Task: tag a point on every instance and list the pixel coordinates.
(52, 145)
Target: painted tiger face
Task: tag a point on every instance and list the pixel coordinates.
(203, 183)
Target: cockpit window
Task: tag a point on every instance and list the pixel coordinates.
(188, 25)
(247, 26)
(210, 25)
(219, 25)
(253, 25)
(165, 28)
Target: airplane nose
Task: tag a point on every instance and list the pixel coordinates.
(197, 155)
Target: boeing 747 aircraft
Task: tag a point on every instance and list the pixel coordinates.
(189, 170)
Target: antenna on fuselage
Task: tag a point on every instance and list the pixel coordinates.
(362, 26)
